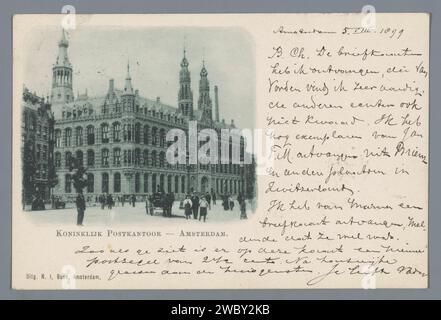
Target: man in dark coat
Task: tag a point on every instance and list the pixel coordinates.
(195, 205)
(103, 201)
(213, 196)
(208, 198)
(109, 201)
(133, 200)
(240, 198)
(171, 200)
(81, 207)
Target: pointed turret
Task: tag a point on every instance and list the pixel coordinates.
(62, 74)
(128, 89)
(185, 95)
(204, 102)
(128, 96)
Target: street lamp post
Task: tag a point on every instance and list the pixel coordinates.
(242, 166)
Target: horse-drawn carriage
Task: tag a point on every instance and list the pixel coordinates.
(158, 201)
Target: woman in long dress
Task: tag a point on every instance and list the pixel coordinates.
(187, 204)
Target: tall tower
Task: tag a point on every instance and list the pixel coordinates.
(128, 96)
(185, 95)
(62, 74)
(204, 102)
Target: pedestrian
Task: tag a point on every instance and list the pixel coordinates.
(81, 207)
(187, 207)
(195, 205)
(123, 200)
(166, 204)
(225, 202)
(103, 201)
(151, 208)
(208, 198)
(240, 198)
(203, 204)
(213, 196)
(170, 203)
(148, 204)
(109, 201)
(231, 202)
(243, 209)
(133, 200)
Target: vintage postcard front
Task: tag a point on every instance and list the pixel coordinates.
(220, 151)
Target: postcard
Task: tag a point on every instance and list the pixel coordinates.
(220, 151)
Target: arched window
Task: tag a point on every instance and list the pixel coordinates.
(57, 160)
(116, 132)
(117, 107)
(162, 138)
(68, 137)
(161, 159)
(117, 157)
(105, 182)
(90, 183)
(105, 157)
(68, 159)
(137, 133)
(145, 156)
(105, 133)
(129, 132)
(129, 157)
(137, 157)
(154, 136)
(79, 156)
(58, 138)
(146, 134)
(79, 136)
(90, 135)
(90, 158)
(154, 160)
(117, 182)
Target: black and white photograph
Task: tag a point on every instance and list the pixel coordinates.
(99, 108)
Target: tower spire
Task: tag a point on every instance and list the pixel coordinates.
(128, 89)
(62, 74)
(204, 102)
(185, 95)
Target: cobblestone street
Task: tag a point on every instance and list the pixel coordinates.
(128, 215)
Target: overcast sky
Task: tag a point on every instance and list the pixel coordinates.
(100, 53)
